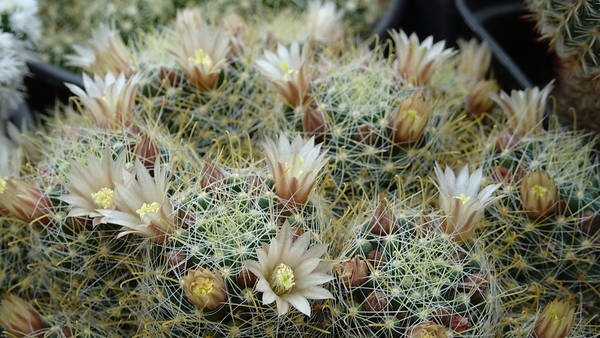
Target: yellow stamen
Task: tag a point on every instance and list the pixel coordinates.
(147, 208)
(282, 279)
(553, 315)
(539, 190)
(203, 287)
(463, 198)
(412, 114)
(104, 198)
(2, 184)
(202, 58)
(286, 67)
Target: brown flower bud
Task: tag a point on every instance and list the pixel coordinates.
(314, 122)
(538, 194)
(410, 120)
(426, 329)
(177, 259)
(24, 201)
(589, 223)
(366, 133)
(506, 140)
(475, 284)
(479, 100)
(19, 318)
(460, 323)
(168, 77)
(205, 288)
(384, 221)
(246, 279)
(442, 316)
(376, 259)
(376, 301)
(423, 226)
(555, 320)
(146, 151)
(211, 176)
(255, 184)
(354, 272)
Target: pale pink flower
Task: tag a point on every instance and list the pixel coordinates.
(475, 60)
(288, 72)
(296, 168)
(19, 318)
(290, 273)
(323, 20)
(417, 61)
(555, 320)
(460, 201)
(201, 53)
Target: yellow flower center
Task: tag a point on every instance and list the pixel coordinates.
(539, 190)
(553, 315)
(412, 114)
(203, 287)
(104, 198)
(147, 208)
(463, 198)
(282, 279)
(202, 58)
(2, 184)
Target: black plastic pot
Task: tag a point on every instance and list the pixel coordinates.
(520, 59)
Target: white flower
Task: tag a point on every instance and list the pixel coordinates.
(91, 186)
(475, 60)
(104, 53)
(460, 202)
(295, 167)
(287, 71)
(142, 206)
(323, 21)
(201, 54)
(289, 273)
(415, 61)
(524, 108)
(109, 100)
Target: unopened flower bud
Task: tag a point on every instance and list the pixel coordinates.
(205, 288)
(354, 272)
(426, 329)
(376, 301)
(246, 279)
(314, 122)
(384, 221)
(589, 223)
(147, 151)
(409, 121)
(168, 77)
(555, 320)
(366, 133)
(19, 318)
(24, 201)
(177, 259)
(460, 323)
(255, 184)
(376, 258)
(442, 316)
(211, 176)
(506, 140)
(475, 284)
(423, 226)
(538, 194)
(479, 100)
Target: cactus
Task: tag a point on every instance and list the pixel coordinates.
(273, 187)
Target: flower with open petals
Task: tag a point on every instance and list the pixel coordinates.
(201, 54)
(109, 100)
(104, 53)
(323, 20)
(555, 320)
(295, 168)
(427, 330)
(416, 61)
(288, 72)
(205, 288)
(142, 206)
(91, 186)
(524, 108)
(460, 202)
(289, 273)
(19, 318)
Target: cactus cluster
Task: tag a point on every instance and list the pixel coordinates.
(226, 178)
(571, 29)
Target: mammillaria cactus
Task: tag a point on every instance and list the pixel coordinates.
(371, 200)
